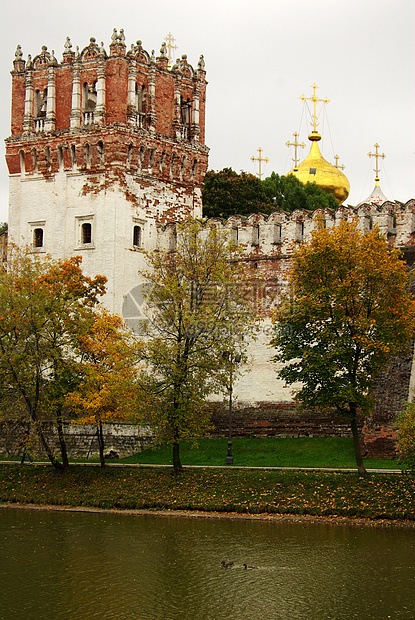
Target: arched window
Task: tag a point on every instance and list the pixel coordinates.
(182, 167)
(173, 241)
(137, 236)
(255, 234)
(89, 102)
(185, 113)
(41, 103)
(60, 157)
(87, 156)
(34, 159)
(173, 157)
(140, 105)
(48, 158)
(392, 224)
(300, 230)
(38, 237)
(162, 161)
(22, 163)
(277, 233)
(40, 106)
(129, 154)
(86, 232)
(73, 155)
(101, 152)
(141, 155)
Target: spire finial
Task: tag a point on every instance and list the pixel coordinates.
(315, 100)
(295, 144)
(376, 154)
(337, 165)
(260, 159)
(170, 42)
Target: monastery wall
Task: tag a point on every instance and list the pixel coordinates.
(263, 403)
(107, 153)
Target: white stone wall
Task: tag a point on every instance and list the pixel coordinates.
(258, 381)
(61, 204)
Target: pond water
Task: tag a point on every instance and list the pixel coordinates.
(80, 566)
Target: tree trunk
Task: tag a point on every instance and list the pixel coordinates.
(177, 466)
(356, 441)
(62, 442)
(56, 464)
(100, 436)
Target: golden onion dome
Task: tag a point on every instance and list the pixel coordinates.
(316, 169)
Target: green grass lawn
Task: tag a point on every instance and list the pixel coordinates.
(376, 496)
(264, 452)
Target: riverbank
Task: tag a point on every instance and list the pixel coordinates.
(238, 491)
(200, 514)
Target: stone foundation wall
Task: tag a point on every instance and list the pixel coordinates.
(277, 420)
(120, 440)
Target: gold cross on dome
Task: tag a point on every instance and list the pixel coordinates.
(337, 165)
(315, 100)
(295, 144)
(376, 154)
(170, 40)
(260, 159)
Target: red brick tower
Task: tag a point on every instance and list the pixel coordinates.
(103, 147)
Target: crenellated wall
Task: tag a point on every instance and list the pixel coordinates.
(277, 235)
(264, 404)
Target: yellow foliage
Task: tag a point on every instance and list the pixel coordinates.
(108, 356)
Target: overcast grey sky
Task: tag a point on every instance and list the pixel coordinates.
(260, 58)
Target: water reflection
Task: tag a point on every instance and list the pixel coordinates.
(83, 566)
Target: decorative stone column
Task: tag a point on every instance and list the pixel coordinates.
(195, 113)
(28, 103)
(50, 122)
(75, 118)
(152, 98)
(100, 108)
(131, 101)
(177, 120)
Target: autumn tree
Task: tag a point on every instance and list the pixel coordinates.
(198, 313)
(107, 356)
(405, 422)
(348, 312)
(43, 303)
(288, 194)
(227, 193)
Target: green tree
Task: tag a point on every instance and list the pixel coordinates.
(227, 193)
(405, 422)
(288, 194)
(199, 312)
(349, 311)
(107, 356)
(43, 303)
(4, 227)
